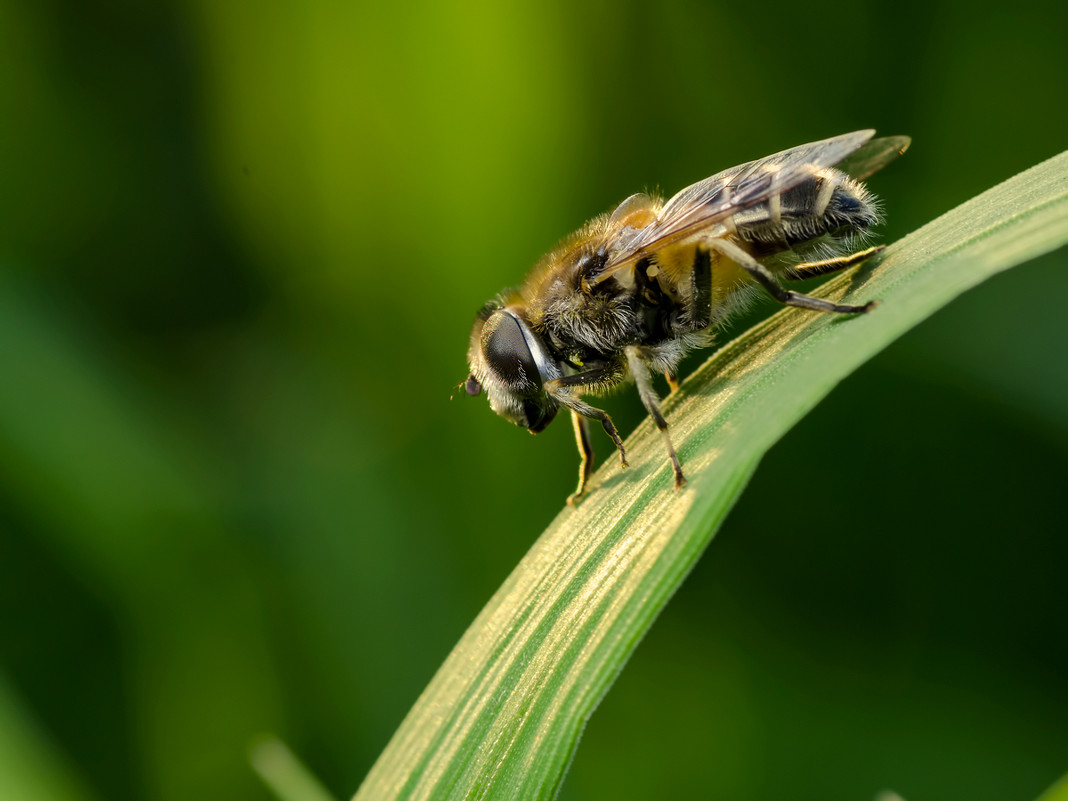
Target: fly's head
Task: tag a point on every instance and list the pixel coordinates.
(511, 363)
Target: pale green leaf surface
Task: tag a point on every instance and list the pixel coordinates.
(503, 716)
(284, 774)
(1058, 792)
(31, 767)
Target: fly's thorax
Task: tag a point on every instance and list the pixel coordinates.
(512, 364)
(598, 321)
(575, 314)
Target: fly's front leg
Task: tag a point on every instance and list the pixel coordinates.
(763, 276)
(644, 381)
(585, 446)
(564, 391)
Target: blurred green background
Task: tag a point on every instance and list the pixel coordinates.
(241, 246)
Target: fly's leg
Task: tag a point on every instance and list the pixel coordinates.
(763, 276)
(813, 269)
(699, 315)
(564, 391)
(640, 371)
(695, 314)
(585, 446)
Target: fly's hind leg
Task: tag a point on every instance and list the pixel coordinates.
(763, 276)
(644, 381)
(813, 269)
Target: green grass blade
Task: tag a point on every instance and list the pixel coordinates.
(284, 774)
(1058, 792)
(31, 767)
(503, 716)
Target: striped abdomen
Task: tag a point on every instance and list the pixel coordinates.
(831, 205)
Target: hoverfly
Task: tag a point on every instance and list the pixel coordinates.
(636, 289)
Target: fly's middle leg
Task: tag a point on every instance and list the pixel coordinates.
(644, 381)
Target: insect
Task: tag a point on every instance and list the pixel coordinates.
(631, 293)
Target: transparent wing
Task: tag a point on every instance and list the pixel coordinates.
(714, 199)
(873, 156)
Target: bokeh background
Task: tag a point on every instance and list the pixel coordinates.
(241, 246)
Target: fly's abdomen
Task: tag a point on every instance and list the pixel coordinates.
(829, 207)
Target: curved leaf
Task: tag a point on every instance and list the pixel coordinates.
(503, 716)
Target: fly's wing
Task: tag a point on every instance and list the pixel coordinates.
(717, 198)
(874, 156)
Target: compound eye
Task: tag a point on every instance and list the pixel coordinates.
(507, 353)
